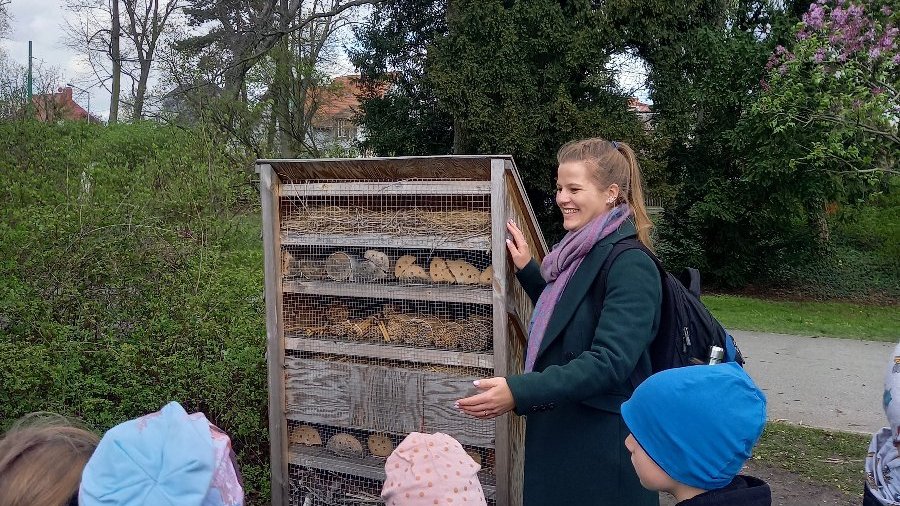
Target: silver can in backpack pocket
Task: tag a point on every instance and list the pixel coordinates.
(716, 354)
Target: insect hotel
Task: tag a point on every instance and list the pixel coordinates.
(388, 291)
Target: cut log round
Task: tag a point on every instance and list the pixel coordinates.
(414, 273)
(345, 445)
(379, 258)
(439, 271)
(340, 266)
(380, 445)
(306, 435)
(487, 276)
(402, 263)
(464, 272)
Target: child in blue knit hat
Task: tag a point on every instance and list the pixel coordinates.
(166, 457)
(692, 429)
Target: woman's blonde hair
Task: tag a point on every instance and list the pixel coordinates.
(41, 459)
(613, 163)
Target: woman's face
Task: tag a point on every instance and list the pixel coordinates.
(578, 196)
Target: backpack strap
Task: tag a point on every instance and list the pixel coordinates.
(637, 377)
(690, 278)
(621, 247)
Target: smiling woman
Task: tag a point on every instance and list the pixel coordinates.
(586, 337)
(579, 198)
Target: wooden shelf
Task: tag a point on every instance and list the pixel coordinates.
(389, 352)
(319, 457)
(473, 294)
(404, 188)
(475, 243)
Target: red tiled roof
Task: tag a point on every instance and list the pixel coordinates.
(637, 106)
(340, 99)
(57, 106)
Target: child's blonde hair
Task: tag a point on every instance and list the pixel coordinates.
(41, 459)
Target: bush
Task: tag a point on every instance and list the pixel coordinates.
(872, 225)
(127, 280)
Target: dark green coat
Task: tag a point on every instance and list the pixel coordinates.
(575, 438)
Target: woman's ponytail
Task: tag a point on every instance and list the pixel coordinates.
(634, 194)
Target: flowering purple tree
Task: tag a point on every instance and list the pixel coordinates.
(837, 89)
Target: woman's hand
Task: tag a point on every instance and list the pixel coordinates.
(517, 246)
(494, 400)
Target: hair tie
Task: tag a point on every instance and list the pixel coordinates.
(615, 144)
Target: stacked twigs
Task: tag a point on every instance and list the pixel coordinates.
(393, 326)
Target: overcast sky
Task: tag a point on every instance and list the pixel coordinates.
(43, 21)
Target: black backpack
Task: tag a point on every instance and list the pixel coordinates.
(687, 330)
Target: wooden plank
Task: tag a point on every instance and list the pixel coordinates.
(380, 398)
(444, 293)
(368, 467)
(513, 475)
(440, 415)
(516, 474)
(476, 243)
(476, 167)
(386, 399)
(333, 188)
(503, 443)
(390, 352)
(520, 199)
(516, 331)
(319, 391)
(269, 188)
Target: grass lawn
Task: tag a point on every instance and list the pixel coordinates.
(829, 458)
(829, 319)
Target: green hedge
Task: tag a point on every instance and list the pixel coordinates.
(128, 279)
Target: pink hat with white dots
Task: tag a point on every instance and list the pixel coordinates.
(429, 469)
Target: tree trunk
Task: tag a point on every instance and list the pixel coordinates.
(282, 103)
(821, 220)
(116, 57)
(141, 90)
(460, 142)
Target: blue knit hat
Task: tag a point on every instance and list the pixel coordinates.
(167, 457)
(698, 423)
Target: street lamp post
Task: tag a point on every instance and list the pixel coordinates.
(88, 96)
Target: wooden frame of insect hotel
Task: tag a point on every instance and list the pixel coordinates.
(388, 290)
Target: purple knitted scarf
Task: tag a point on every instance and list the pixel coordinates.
(559, 266)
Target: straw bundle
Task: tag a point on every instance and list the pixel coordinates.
(459, 224)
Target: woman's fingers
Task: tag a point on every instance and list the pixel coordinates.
(517, 245)
(516, 233)
(494, 400)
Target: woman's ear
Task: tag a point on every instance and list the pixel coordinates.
(612, 194)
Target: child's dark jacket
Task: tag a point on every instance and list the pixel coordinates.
(742, 491)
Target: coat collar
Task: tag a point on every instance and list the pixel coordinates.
(582, 280)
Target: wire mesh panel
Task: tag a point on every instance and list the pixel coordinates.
(386, 295)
